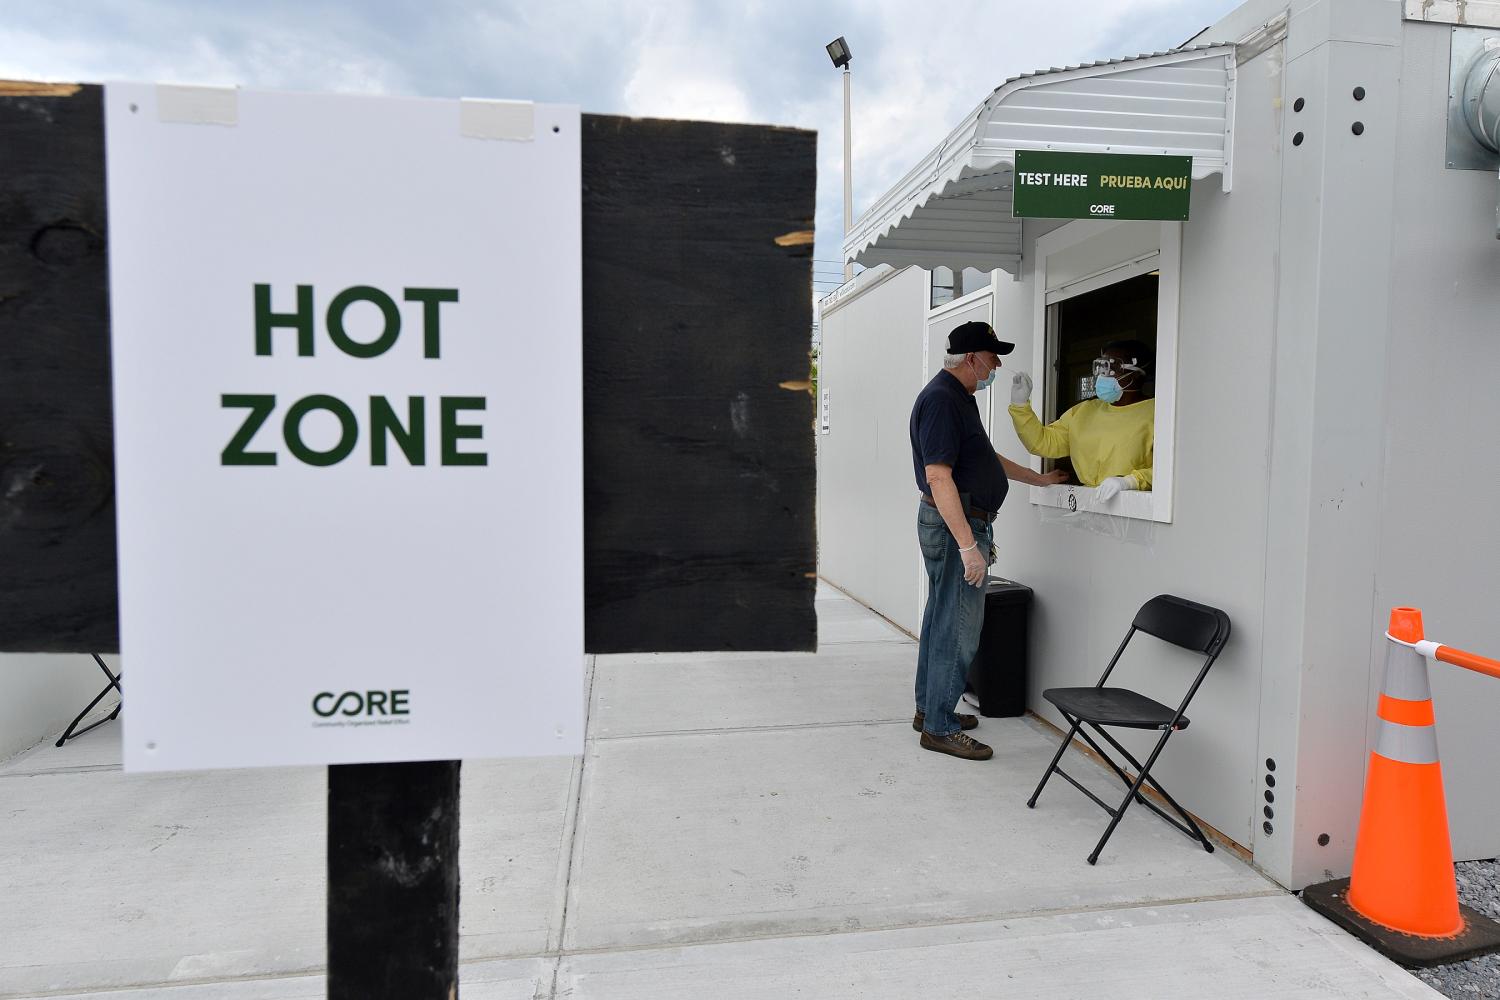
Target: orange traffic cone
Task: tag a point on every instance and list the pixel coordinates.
(1403, 859)
(1402, 896)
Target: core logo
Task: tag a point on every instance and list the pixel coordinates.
(1101, 210)
(362, 703)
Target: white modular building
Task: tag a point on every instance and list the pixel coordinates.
(1325, 326)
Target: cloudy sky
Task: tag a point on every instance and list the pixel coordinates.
(918, 68)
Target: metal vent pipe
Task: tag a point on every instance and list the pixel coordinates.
(1482, 98)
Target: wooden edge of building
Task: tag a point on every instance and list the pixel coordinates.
(31, 88)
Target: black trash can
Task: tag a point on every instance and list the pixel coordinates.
(997, 677)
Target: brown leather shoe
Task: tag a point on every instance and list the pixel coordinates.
(964, 721)
(958, 745)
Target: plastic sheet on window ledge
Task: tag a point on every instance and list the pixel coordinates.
(1133, 530)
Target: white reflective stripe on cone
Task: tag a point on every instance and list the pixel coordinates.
(1407, 744)
(1406, 674)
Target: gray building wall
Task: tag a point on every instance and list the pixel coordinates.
(1439, 542)
(1327, 455)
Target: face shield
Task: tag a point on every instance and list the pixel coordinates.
(1125, 373)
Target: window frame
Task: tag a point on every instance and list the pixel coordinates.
(1155, 504)
(960, 288)
(936, 316)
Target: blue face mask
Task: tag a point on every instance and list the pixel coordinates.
(988, 380)
(1107, 388)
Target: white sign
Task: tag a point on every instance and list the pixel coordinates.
(348, 426)
(825, 411)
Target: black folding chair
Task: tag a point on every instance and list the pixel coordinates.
(1182, 623)
(73, 732)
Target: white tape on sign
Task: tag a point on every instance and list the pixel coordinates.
(484, 119)
(197, 105)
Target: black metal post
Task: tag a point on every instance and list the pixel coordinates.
(393, 881)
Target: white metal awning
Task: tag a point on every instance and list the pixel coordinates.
(954, 208)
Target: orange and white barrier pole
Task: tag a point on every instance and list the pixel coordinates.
(1402, 896)
(1459, 658)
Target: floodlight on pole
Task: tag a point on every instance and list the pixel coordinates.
(838, 51)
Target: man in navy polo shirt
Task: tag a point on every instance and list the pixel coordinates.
(963, 483)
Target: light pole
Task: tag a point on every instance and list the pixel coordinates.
(838, 51)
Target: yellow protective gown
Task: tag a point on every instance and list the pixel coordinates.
(1102, 440)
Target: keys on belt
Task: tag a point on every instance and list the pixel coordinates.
(983, 515)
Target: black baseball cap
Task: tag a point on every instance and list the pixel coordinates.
(976, 336)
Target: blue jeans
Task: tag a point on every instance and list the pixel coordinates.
(951, 622)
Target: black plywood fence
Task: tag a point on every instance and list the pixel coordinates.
(698, 420)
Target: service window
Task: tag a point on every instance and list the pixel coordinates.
(1101, 283)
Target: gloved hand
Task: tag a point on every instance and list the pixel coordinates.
(1112, 487)
(976, 566)
(1020, 389)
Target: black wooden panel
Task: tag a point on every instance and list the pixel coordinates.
(699, 470)
(57, 511)
(699, 464)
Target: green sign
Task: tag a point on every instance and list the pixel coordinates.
(1101, 186)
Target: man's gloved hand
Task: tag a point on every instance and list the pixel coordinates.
(976, 567)
(1020, 389)
(1112, 486)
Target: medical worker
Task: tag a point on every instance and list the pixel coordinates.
(1108, 438)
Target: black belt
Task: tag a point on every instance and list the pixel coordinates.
(986, 516)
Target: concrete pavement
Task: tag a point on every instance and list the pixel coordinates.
(741, 825)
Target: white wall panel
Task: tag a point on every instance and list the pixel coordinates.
(871, 364)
